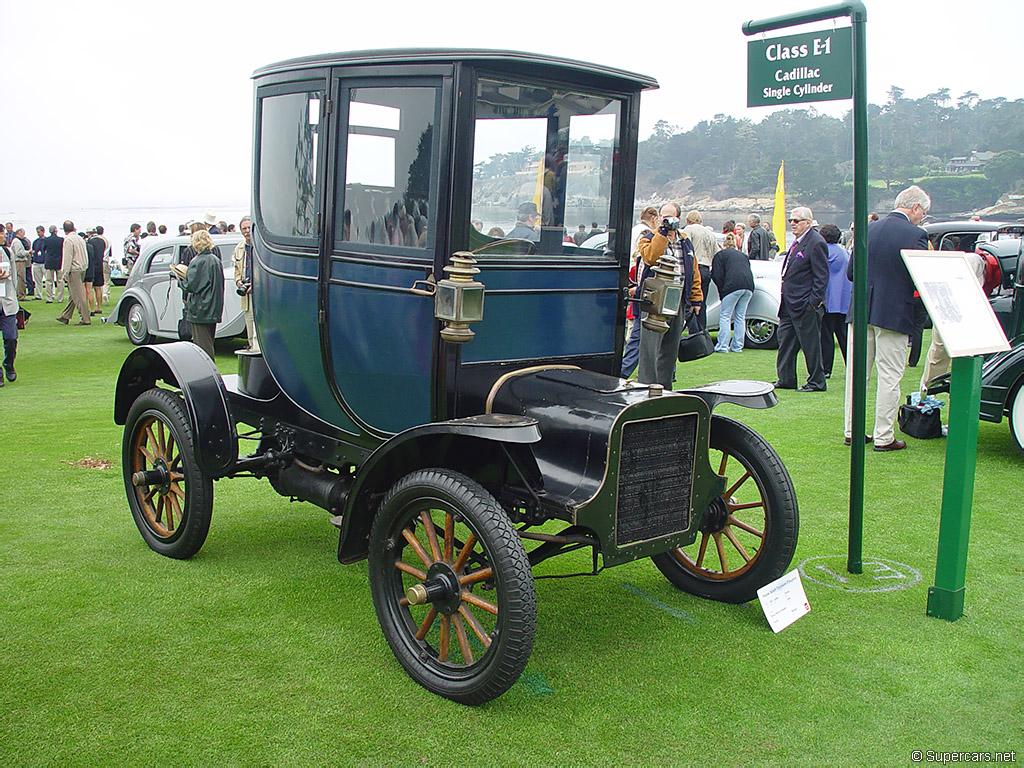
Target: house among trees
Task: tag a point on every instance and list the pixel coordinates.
(972, 164)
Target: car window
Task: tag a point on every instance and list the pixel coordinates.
(161, 259)
(544, 157)
(390, 167)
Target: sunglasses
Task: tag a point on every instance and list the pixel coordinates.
(797, 221)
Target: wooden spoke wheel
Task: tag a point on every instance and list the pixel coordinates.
(170, 499)
(747, 536)
(452, 586)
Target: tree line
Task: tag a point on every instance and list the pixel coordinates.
(909, 141)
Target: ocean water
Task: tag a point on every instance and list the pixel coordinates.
(117, 221)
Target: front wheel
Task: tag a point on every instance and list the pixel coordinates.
(761, 334)
(1016, 412)
(136, 325)
(452, 587)
(171, 499)
(747, 536)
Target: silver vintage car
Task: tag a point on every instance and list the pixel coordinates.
(151, 304)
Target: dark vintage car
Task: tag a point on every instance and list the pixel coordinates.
(1002, 373)
(1001, 239)
(456, 449)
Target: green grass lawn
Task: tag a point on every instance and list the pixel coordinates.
(263, 649)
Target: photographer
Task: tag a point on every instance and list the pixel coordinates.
(659, 351)
(242, 258)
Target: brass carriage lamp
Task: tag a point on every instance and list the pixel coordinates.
(661, 294)
(459, 299)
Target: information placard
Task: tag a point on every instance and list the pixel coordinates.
(957, 305)
(814, 66)
(783, 601)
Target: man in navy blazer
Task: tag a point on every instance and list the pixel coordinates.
(804, 280)
(890, 310)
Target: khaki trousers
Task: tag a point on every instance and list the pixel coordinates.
(39, 278)
(937, 362)
(54, 286)
(250, 331)
(887, 353)
(76, 287)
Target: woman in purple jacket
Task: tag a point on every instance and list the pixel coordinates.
(837, 299)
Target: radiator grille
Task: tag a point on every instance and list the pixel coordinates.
(655, 478)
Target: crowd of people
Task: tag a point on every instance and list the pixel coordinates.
(814, 311)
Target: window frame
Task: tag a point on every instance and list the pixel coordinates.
(342, 98)
(313, 84)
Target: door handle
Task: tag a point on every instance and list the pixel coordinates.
(429, 290)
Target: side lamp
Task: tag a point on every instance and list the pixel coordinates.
(459, 299)
(661, 294)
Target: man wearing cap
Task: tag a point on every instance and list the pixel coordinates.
(526, 223)
(210, 218)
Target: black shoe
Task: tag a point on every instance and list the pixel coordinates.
(11, 375)
(828, 375)
(62, 320)
(780, 385)
(809, 388)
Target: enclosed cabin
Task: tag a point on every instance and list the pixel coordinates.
(373, 168)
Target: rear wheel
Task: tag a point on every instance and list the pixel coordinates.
(170, 498)
(452, 586)
(1016, 412)
(136, 325)
(747, 536)
(761, 334)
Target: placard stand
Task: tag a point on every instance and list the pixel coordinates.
(946, 598)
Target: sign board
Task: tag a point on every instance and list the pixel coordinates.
(783, 601)
(815, 66)
(956, 303)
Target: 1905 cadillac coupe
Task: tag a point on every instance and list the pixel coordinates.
(455, 448)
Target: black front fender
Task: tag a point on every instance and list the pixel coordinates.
(185, 366)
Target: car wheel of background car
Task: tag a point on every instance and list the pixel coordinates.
(1016, 411)
(452, 587)
(747, 536)
(761, 334)
(136, 325)
(170, 498)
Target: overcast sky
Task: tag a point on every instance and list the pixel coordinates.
(150, 103)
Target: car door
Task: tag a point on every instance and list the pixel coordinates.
(160, 288)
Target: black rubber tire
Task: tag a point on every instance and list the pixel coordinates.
(135, 324)
(1015, 411)
(761, 334)
(188, 496)
(772, 485)
(440, 493)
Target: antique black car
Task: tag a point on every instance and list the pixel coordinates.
(455, 448)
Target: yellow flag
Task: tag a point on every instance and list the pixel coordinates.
(538, 194)
(779, 214)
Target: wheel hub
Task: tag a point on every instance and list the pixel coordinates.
(715, 518)
(441, 588)
(159, 476)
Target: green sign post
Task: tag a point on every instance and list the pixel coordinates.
(857, 13)
(809, 67)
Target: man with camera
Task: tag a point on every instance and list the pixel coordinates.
(242, 258)
(659, 351)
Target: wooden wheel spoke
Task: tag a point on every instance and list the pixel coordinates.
(410, 537)
(147, 497)
(161, 444)
(176, 490)
(749, 505)
(479, 602)
(173, 466)
(177, 477)
(460, 634)
(406, 568)
(151, 458)
(159, 510)
(148, 436)
(721, 467)
(173, 508)
(736, 543)
(449, 537)
(475, 625)
(736, 485)
(428, 526)
(427, 623)
(703, 549)
(721, 551)
(746, 527)
(475, 576)
(446, 638)
(464, 554)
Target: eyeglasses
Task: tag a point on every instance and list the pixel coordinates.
(797, 221)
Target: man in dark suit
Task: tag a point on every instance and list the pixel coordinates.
(53, 248)
(804, 280)
(890, 310)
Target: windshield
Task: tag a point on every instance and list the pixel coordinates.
(542, 168)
